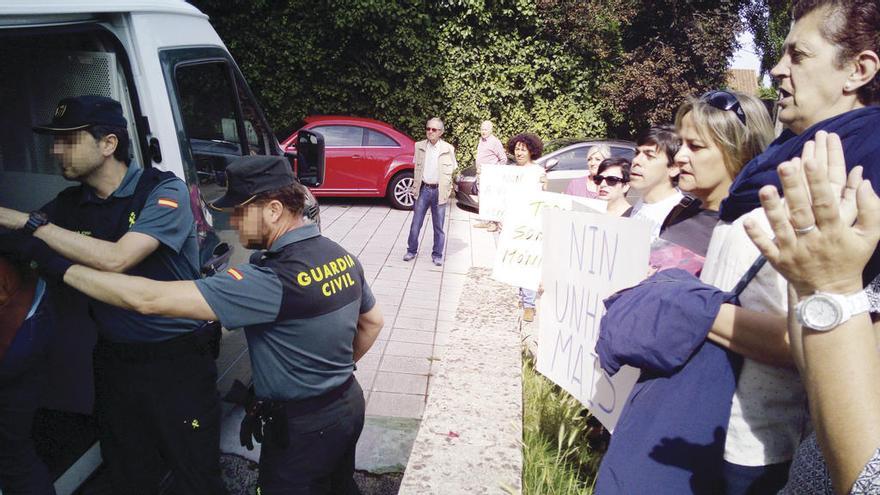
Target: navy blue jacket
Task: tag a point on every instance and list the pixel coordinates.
(671, 432)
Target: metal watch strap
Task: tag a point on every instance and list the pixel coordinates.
(36, 220)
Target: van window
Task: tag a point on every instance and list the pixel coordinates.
(221, 121)
(207, 106)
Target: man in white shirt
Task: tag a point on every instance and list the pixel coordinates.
(654, 176)
(435, 162)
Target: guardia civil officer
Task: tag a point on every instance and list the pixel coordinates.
(155, 378)
(307, 313)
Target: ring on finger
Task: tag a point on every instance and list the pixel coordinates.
(804, 230)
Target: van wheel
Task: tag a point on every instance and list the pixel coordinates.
(400, 192)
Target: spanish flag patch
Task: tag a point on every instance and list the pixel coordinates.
(235, 274)
(170, 203)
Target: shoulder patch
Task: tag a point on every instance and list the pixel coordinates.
(170, 203)
(235, 274)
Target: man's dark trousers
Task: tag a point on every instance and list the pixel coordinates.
(319, 458)
(428, 198)
(157, 413)
(22, 383)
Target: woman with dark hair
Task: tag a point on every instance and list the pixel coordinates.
(612, 180)
(525, 148)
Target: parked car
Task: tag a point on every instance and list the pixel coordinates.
(564, 160)
(363, 158)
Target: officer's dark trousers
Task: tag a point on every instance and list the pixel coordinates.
(320, 457)
(156, 414)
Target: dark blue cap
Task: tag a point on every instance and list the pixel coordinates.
(82, 112)
(248, 176)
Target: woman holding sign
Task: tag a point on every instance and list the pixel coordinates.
(670, 435)
(525, 148)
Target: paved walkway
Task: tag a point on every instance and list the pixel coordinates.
(418, 301)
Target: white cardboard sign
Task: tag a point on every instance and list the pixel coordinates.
(593, 256)
(500, 182)
(521, 247)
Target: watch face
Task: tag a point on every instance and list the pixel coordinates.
(821, 313)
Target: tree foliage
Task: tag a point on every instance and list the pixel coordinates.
(769, 21)
(558, 68)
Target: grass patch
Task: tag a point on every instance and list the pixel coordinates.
(557, 456)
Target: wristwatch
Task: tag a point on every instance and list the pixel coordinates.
(823, 311)
(36, 220)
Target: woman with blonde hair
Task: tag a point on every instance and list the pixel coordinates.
(670, 435)
(587, 187)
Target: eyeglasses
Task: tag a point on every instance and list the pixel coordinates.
(609, 179)
(724, 100)
(431, 129)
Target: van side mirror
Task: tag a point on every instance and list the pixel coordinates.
(308, 159)
(551, 164)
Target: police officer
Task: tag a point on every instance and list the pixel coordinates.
(155, 378)
(307, 313)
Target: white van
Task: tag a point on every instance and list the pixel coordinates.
(189, 111)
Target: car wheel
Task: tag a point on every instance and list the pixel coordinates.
(400, 192)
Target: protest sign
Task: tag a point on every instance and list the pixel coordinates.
(499, 182)
(593, 257)
(520, 247)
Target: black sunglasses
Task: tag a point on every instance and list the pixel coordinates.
(432, 129)
(609, 179)
(725, 100)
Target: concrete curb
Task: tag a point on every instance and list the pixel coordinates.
(470, 439)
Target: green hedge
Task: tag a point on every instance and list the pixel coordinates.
(559, 68)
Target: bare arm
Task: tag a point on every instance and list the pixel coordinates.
(106, 256)
(841, 377)
(841, 367)
(368, 326)
(758, 336)
(181, 299)
(118, 256)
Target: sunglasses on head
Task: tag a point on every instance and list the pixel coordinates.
(432, 129)
(609, 179)
(724, 100)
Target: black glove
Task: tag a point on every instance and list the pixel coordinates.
(50, 264)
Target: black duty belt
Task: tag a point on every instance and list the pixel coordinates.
(429, 186)
(299, 407)
(203, 340)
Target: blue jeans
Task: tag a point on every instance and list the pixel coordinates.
(428, 197)
(527, 297)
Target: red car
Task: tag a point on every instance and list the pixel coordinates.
(363, 158)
